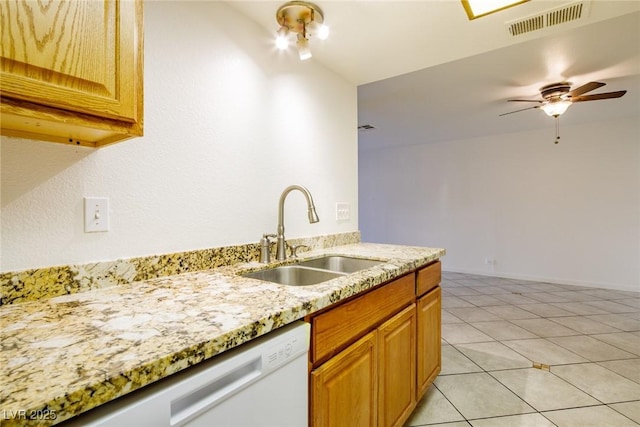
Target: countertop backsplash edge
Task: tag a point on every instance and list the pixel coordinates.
(49, 282)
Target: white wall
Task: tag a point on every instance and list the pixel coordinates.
(567, 213)
(229, 123)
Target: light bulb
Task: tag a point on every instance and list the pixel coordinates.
(323, 32)
(282, 43)
(303, 47)
(282, 40)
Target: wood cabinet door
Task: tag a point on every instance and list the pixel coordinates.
(429, 339)
(79, 56)
(397, 368)
(343, 390)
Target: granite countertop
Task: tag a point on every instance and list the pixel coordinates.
(69, 354)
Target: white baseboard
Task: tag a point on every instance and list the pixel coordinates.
(612, 286)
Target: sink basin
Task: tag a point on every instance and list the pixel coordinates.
(294, 275)
(340, 264)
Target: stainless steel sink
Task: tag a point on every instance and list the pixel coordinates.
(294, 275)
(340, 264)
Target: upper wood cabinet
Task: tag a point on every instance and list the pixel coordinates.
(72, 71)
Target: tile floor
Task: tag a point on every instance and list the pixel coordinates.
(584, 341)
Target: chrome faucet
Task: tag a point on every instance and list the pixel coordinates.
(281, 252)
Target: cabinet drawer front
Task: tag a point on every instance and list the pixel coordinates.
(334, 329)
(428, 278)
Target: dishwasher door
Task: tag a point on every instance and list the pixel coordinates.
(263, 383)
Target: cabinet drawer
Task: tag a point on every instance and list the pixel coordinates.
(428, 278)
(333, 330)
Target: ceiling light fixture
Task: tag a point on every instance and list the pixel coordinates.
(477, 8)
(556, 108)
(304, 19)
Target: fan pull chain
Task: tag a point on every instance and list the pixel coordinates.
(557, 129)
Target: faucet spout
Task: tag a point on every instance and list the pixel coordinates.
(281, 253)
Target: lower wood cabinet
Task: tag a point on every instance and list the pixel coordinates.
(371, 382)
(374, 356)
(397, 368)
(343, 390)
(429, 337)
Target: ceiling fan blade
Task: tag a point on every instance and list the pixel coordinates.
(585, 88)
(517, 111)
(597, 96)
(524, 100)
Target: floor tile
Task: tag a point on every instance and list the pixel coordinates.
(449, 301)
(503, 330)
(611, 306)
(546, 297)
(447, 317)
(631, 302)
(434, 408)
(543, 390)
(525, 420)
(455, 333)
(628, 368)
(635, 315)
(619, 321)
(508, 312)
(482, 300)
(624, 340)
(599, 382)
(544, 327)
(453, 424)
(605, 294)
(463, 291)
(467, 282)
(629, 409)
(594, 416)
(584, 325)
(544, 287)
(546, 310)
(493, 355)
(591, 349)
(516, 299)
(579, 308)
(543, 351)
(454, 362)
(480, 396)
(475, 314)
(492, 290)
(575, 296)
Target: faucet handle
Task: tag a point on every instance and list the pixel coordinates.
(265, 248)
(294, 250)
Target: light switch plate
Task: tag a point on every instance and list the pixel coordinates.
(96, 214)
(342, 211)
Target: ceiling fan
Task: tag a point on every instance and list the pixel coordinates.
(558, 97)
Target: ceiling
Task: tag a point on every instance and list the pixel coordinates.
(425, 73)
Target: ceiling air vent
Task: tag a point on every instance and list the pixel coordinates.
(571, 12)
(365, 128)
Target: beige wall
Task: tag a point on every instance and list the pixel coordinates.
(566, 213)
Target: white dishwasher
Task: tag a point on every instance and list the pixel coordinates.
(262, 383)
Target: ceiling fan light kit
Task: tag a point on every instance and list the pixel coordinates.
(556, 108)
(558, 97)
(303, 19)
